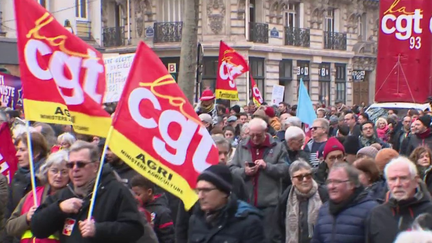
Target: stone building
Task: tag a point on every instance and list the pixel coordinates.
(330, 44)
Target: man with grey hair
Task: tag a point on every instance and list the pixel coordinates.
(290, 121)
(320, 128)
(406, 201)
(294, 140)
(115, 215)
(262, 162)
(344, 216)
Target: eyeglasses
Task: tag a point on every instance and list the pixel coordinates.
(205, 190)
(335, 182)
(315, 128)
(308, 176)
(79, 164)
(367, 128)
(258, 135)
(59, 172)
(338, 157)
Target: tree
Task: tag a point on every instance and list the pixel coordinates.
(188, 53)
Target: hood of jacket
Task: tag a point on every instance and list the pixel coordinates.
(158, 200)
(418, 199)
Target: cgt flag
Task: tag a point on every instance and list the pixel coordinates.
(8, 159)
(256, 94)
(157, 132)
(63, 78)
(231, 65)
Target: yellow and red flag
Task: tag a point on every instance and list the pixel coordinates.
(231, 65)
(157, 132)
(256, 94)
(63, 78)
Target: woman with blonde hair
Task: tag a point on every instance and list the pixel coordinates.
(53, 176)
(382, 129)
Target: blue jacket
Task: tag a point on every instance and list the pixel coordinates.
(238, 222)
(347, 226)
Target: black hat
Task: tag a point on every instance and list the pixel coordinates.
(426, 120)
(352, 145)
(218, 175)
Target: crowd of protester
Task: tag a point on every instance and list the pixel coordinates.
(348, 179)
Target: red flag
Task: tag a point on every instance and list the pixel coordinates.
(404, 51)
(157, 132)
(8, 159)
(256, 94)
(231, 65)
(63, 78)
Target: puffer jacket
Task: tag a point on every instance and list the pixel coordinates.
(346, 226)
(238, 222)
(266, 186)
(389, 219)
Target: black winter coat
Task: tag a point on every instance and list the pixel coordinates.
(115, 212)
(389, 219)
(238, 222)
(416, 141)
(279, 230)
(161, 218)
(183, 216)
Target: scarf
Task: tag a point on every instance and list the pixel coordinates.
(207, 109)
(368, 141)
(26, 170)
(292, 212)
(86, 189)
(424, 134)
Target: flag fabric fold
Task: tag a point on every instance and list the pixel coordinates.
(63, 78)
(256, 94)
(305, 110)
(157, 132)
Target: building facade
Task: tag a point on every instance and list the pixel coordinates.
(330, 44)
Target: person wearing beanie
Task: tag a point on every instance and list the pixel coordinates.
(333, 152)
(273, 119)
(220, 216)
(367, 152)
(235, 110)
(352, 146)
(368, 135)
(207, 105)
(423, 135)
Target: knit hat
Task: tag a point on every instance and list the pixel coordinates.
(368, 151)
(207, 95)
(218, 175)
(351, 145)
(236, 108)
(270, 112)
(333, 145)
(384, 156)
(425, 120)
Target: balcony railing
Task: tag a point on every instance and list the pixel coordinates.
(167, 32)
(113, 36)
(297, 37)
(335, 41)
(84, 30)
(258, 32)
(1, 22)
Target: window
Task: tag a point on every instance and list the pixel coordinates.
(209, 73)
(303, 72)
(290, 15)
(329, 21)
(285, 71)
(362, 27)
(176, 60)
(81, 9)
(340, 82)
(44, 3)
(256, 67)
(324, 83)
(171, 10)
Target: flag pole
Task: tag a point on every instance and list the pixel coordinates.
(32, 172)
(247, 88)
(93, 199)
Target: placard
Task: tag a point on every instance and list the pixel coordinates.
(278, 94)
(117, 69)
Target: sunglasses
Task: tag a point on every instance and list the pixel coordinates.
(314, 128)
(308, 176)
(79, 164)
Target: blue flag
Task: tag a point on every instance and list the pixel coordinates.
(305, 110)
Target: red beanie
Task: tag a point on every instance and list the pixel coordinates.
(332, 145)
(270, 112)
(207, 95)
